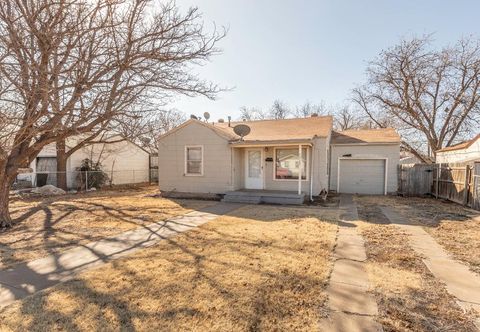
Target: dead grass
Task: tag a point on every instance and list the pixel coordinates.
(451, 224)
(258, 268)
(408, 295)
(48, 226)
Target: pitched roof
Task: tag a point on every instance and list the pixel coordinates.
(383, 135)
(460, 146)
(282, 130)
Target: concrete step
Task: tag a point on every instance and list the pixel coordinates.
(242, 199)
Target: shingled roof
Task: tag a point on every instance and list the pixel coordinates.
(460, 146)
(282, 130)
(383, 135)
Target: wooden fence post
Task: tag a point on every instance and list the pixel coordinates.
(437, 180)
(465, 186)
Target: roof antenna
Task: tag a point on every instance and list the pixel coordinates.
(229, 119)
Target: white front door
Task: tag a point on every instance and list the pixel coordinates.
(253, 169)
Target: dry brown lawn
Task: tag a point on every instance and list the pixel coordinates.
(257, 268)
(453, 226)
(408, 295)
(48, 226)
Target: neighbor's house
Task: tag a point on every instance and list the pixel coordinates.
(301, 157)
(123, 161)
(460, 153)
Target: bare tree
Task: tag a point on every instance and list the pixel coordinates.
(251, 113)
(345, 119)
(307, 109)
(430, 96)
(279, 110)
(72, 67)
(156, 125)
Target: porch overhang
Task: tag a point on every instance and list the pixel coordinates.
(290, 142)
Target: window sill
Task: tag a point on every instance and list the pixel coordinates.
(192, 174)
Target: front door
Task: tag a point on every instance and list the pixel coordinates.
(253, 169)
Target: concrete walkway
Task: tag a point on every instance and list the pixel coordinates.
(352, 308)
(25, 279)
(459, 280)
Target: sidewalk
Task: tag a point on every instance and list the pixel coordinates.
(29, 278)
(352, 308)
(459, 280)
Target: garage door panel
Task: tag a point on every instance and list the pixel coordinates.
(362, 176)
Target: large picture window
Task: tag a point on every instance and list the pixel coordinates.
(287, 164)
(194, 160)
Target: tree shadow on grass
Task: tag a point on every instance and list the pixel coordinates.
(188, 264)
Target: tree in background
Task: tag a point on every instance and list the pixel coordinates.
(70, 68)
(428, 95)
(279, 110)
(251, 113)
(308, 109)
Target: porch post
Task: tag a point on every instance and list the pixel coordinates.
(300, 164)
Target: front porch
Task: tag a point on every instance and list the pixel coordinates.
(256, 196)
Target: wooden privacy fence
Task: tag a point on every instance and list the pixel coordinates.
(415, 179)
(459, 183)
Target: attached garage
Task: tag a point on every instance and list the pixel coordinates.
(364, 161)
(362, 176)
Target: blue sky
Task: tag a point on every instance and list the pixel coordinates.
(315, 51)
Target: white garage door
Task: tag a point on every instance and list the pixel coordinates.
(362, 176)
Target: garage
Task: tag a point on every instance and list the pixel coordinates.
(362, 176)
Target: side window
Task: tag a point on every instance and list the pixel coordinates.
(194, 160)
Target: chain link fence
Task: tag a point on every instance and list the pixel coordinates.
(82, 180)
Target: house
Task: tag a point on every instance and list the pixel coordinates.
(464, 152)
(282, 161)
(123, 161)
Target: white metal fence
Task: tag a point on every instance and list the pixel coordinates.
(81, 180)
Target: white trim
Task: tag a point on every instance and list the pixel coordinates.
(354, 144)
(268, 145)
(364, 158)
(307, 177)
(185, 161)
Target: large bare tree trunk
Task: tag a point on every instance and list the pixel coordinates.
(5, 183)
(61, 165)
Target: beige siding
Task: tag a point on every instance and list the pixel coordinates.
(217, 161)
(390, 151)
(238, 169)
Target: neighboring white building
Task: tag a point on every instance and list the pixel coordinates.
(460, 153)
(302, 156)
(124, 162)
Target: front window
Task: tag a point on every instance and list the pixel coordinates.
(194, 160)
(287, 164)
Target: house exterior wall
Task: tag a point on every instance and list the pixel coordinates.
(217, 161)
(457, 156)
(124, 162)
(390, 151)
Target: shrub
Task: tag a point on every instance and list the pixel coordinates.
(91, 175)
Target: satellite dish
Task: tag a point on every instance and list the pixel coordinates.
(192, 116)
(241, 130)
(206, 115)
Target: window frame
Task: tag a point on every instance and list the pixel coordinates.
(186, 161)
(307, 162)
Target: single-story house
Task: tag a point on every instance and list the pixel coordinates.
(123, 161)
(464, 152)
(296, 158)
